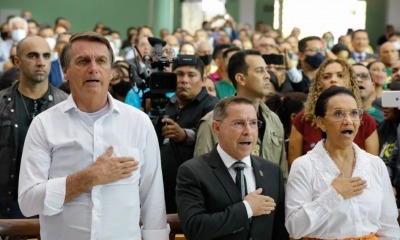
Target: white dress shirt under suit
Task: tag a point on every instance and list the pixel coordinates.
(248, 173)
(315, 209)
(64, 140)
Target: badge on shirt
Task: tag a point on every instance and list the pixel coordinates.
(256, 150)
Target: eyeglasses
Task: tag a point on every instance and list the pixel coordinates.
(315, 50)
(267, 45)
(241, 125)
(362, 76)
(339, 114)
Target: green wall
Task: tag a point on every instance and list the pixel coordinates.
(375, 20)
(84, 14)
(120, 14)
(232, 8)
(265, 11)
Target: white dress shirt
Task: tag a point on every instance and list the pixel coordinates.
(315, 209)
(248, 173)
(63, 140)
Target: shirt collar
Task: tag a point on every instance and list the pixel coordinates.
(70, 104)
(229, 161)
(48, 95)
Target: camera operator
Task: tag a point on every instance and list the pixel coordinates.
(189, 104)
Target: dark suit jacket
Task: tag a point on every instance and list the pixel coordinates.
(367, 56)
(210, 205)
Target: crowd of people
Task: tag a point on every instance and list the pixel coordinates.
(244, 133)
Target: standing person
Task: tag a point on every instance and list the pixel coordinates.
(305, 135)
(18, 30)
(183, 112)
(378, 76)
(387, 129)
(367, 91)
(91, 165)
(219, 62)
(248, 72)
(337, 190)
(360, 44)
(210, 205)
(311, 55)
(19, 104)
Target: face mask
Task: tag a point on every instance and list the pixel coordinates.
(397, 44)
(18, 34)
(117, 43)
(206, 59)
(176, 51)
(54, 56)
(122, 88)
(290, 54)
(52, 42)
(316, 60)
(329, 43)
(228, 31)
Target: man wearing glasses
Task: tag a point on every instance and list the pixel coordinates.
(311, 56)
(228, 193)
(248, 72)
(367, 93)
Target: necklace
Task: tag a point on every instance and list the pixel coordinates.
(26, 108)
(354, 158)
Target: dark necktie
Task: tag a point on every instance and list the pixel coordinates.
(240, 178)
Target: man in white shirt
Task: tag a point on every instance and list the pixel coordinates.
(91, 165)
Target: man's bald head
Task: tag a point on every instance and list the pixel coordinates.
(388, 54)
(30, 40)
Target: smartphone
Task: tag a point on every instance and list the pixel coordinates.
(276, 59)
(391, 99)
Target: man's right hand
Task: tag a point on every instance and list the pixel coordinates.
(260, 204)
(108, 169)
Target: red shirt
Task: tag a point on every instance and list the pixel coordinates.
(313, 133)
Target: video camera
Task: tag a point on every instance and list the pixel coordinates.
(155, 80)
(154, 76)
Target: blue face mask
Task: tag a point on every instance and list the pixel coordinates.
(228, 31)
(316, 60)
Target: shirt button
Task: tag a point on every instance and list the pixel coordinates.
(12, 176)
(9, 99)
(9, 193)
(14, 159)
(12, 110)
(16, 125)
(8, 210)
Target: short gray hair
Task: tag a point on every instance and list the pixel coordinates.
(220, 108)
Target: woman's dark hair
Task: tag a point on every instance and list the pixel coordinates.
(320, 105)
(286, 105)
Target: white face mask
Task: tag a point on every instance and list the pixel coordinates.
(397, 44)
(52, 42)
(18, 34)
(118, 43)
(176, 51)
